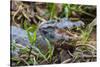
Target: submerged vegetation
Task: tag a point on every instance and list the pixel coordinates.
(43, 24)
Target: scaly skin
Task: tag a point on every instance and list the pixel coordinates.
(53, 30)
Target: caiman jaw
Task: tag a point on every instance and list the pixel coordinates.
(65, 34)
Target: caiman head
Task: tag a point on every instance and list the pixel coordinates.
(59, 30)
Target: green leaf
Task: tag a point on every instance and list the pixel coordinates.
(34, 36)
(25, 25)
(52, 10)
(32, 28)
(29, 29)
(66, 11)
(51, 49)
(29, 37)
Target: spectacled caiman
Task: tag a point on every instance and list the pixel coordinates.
(53, 30)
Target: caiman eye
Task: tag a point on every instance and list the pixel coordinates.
(74, 26)
(44, 32)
